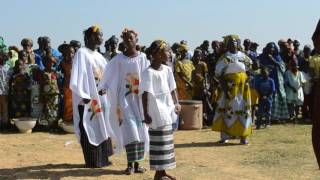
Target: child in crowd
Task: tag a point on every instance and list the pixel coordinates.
(265, 87)
(5, 73)
(49, 93)
(294, 81)
(160, 102)
(19, 91)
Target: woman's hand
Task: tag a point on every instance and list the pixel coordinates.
(86, 101)
(177, 108)
(147, 119)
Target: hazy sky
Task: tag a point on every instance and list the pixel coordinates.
(171, 20)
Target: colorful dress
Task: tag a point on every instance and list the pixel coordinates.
(185, 67)
(49, 94)
(67, 93)
(233, 115)
(199, 73)
(19, 95)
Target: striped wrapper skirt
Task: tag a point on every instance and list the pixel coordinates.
(135, 152)
(162, 155)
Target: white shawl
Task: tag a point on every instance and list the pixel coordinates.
(88, 65)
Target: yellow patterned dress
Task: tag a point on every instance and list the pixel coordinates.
(185, 67)
(233, 113)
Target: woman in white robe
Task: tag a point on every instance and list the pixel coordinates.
(90, 111)
(121, 79)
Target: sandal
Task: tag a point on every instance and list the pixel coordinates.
(129, 171)
(140, 169)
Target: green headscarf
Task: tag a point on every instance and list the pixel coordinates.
(3, 48)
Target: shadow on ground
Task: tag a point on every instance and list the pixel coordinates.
(55, 171)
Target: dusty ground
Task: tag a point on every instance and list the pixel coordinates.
(282, 152)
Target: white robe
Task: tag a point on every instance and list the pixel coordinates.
(87, 69)
(159, 84)
(121, 79)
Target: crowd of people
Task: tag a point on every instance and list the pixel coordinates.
(141, 86)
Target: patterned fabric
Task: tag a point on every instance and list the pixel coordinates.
(185, 67)
(198, 79)
(279, 108)
(5, 74)
(19, 95)
(162, 154)
(135, 152)
(233, 115)
(49, 93)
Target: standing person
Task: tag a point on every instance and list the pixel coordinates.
(265, 87)
(75, 44)
(111, 47)
(199, 74)
(233, 112)
(315, 73)
(252, 53)
(304, 67)
(295, 81)
(33, 58)
(297, 51)
(271, 58)
(49, 94)
(200, 82)
(46, 49)
(246, 44)
(5, 73)
(213, 57)
(183, 71)
(90, 111)
(160, 102)
(122, 78)
(66, 66)
(205, 49)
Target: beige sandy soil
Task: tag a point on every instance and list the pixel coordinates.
(281, 152)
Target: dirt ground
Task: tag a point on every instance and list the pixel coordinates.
(281, 152)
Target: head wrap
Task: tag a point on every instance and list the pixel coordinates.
(3, 48)
(157, 45)
(228, 38)
(183, 47)
(95, 28)
(127, 30)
